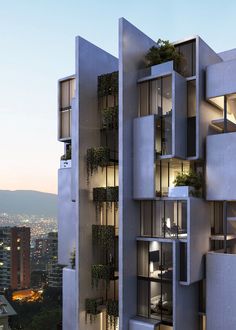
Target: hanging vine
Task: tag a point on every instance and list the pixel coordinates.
(91, 308)
(110, 118)
(108, 84)
(112, 312)
(101, 272)
(96, 157)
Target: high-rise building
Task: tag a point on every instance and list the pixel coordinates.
(147, 198)
(14, 257)
(53, 268)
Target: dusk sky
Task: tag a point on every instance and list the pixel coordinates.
(37, 48)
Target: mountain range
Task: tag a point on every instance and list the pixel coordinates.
(28, 202)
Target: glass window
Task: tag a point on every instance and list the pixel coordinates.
(187, 66)
(143, 259)
(144, 98)
(143, 298)
(191, 119)
(167, 95)
(164, 219)
(158, 218)
(67, 92)
(166, 172)
(65, 123)
(183, 262)
(146, 218)
(161, 301)
(155, 96)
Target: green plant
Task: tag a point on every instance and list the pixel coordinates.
(112, 312)
(101, 272)
(164, 51)
(112, 194)
(110, 118)
(67, 155)
(91, 308)
(102, 195)
(192, 179)
(99, 197)
(96, 157)
(104, 236)
(72, 259)
(108, 84)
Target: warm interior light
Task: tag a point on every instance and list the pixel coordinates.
(151, 267)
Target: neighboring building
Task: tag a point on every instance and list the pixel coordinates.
(14, 258)
(53, 268)
(44, 264)
(167, 254)
(44, 250)
(6, 311)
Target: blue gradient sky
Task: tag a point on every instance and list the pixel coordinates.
(37, 48)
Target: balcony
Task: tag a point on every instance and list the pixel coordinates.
(188, 222)
(164, 94)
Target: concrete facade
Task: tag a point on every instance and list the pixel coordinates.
(221, 291)
(166, 130)
(221, 151)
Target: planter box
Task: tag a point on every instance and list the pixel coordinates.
(66, 163)
(181, 191)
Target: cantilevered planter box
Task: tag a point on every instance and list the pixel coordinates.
(181, 191)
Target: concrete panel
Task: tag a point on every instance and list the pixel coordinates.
(205, 112)
(198, 243)
(220, 291)
(133, 46)
(228, 55)
(91, 62)
(221, 155)
(144, 157)
(162, 69)
(66, 217)
(179, 129)
(220, 79)
(139, 323)
(185, 299)
(69, 299)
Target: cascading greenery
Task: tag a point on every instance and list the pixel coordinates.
(103, 235)
(112, 312)
(110, 118)
(91, 308)
(96, 157)
(108, 84)
(109, 195)
(101, 272)
(164, 51)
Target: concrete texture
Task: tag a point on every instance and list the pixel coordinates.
(220, 167)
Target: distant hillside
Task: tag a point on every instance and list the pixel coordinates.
(29, 202)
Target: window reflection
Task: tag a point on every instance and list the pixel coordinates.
(155, 97)
(166, 219)
(187, 66)
(155, 276)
